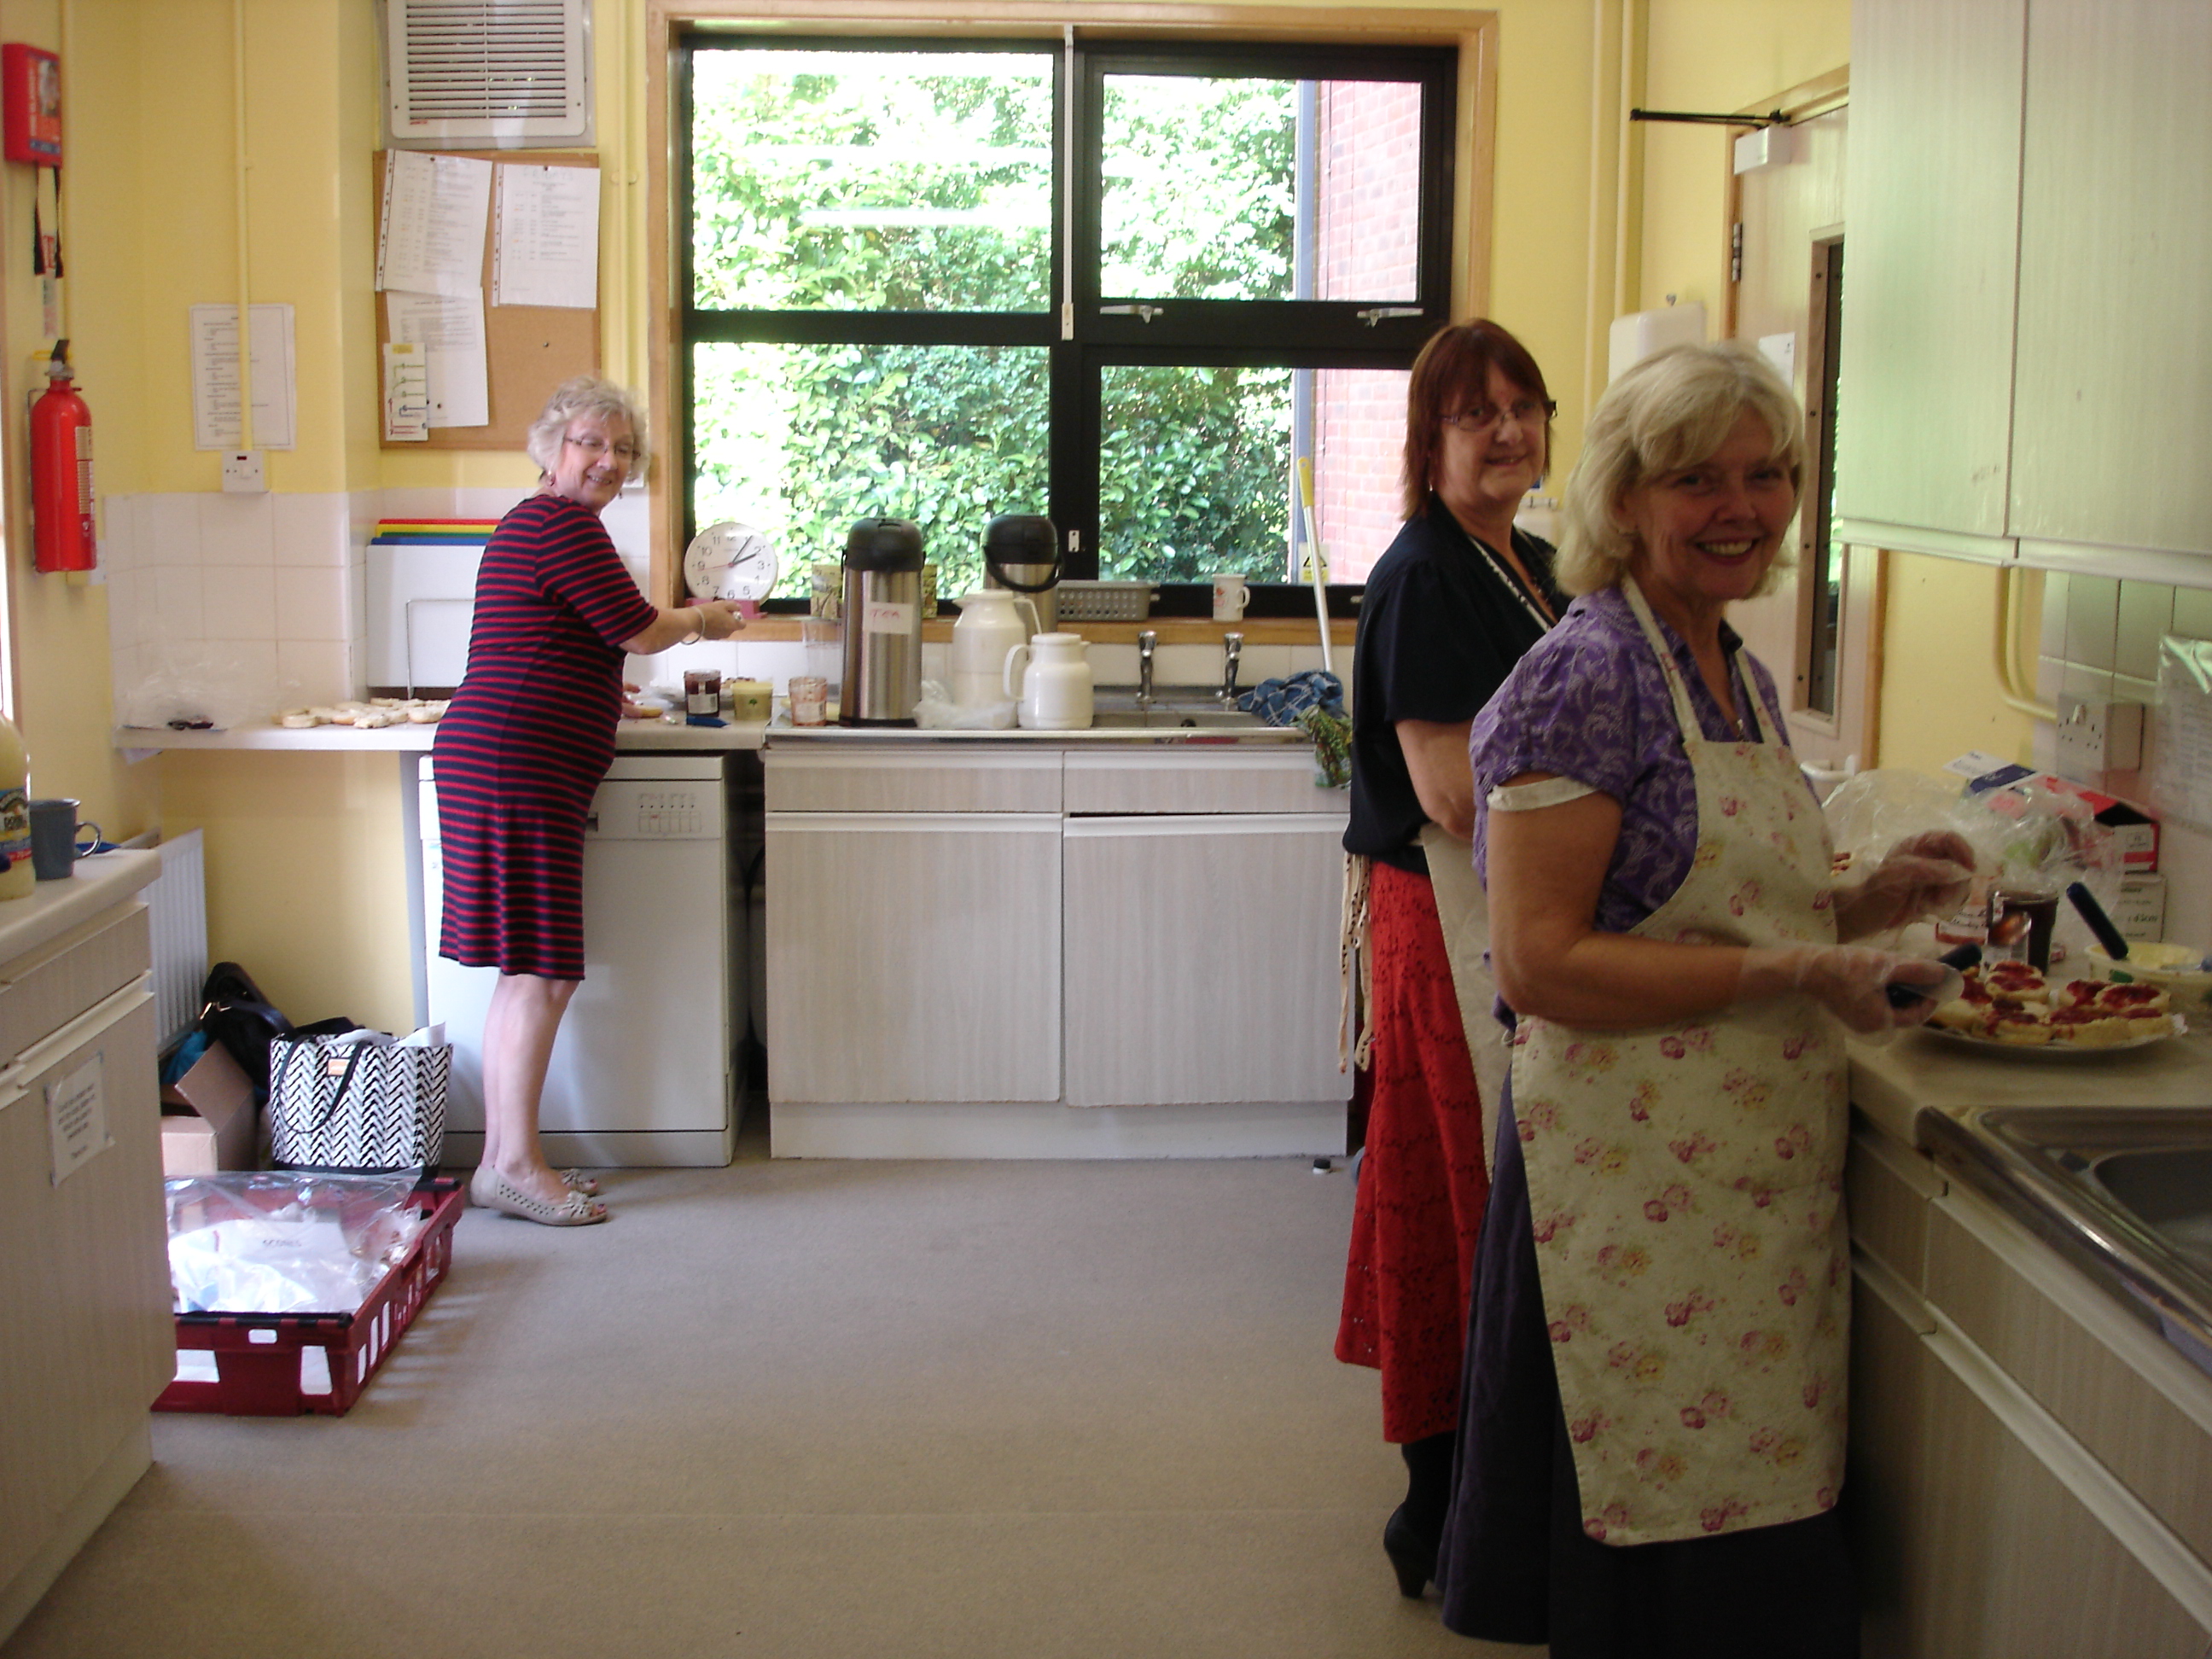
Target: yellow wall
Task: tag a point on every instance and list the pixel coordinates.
(305, 882)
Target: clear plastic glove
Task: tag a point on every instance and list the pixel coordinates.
(1925, 875)
(1849, 981)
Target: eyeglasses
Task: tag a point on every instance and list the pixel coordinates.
(1526, 412)
(625, 452)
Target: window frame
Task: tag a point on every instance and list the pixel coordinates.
(1266, 30)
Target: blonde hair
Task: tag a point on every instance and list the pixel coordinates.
(1674, 409)
(587, 394)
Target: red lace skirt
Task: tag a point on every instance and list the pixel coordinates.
(1423, 1182)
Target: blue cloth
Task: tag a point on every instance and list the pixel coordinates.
(1280, 702)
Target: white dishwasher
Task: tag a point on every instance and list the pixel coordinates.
(645, 1070)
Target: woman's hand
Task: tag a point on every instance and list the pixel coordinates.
(702, 619)
(1925, 875)
(1851, 982)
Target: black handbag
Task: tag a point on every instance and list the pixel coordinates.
(236, 1014)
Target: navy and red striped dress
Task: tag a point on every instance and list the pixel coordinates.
(528, 737)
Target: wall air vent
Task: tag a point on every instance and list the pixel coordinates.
(487, 73)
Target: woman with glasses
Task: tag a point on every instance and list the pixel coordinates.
(1449, 608)
(528, 736)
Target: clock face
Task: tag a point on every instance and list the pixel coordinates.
(729, 562)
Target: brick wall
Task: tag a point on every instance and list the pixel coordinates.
(1367, 225)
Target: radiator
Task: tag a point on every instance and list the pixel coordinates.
(177, 907)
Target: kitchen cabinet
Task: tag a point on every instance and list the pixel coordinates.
(2027, 1465)
(84, 1273)
(2027, 316)
(2115, 305)
(913, 956)
(940, 918)
(1931, 228)
(1190, 942)
(914, 937)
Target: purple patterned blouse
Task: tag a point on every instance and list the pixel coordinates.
(1590, 703)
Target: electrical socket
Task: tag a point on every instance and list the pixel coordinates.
(242, 473)
(2096, 737)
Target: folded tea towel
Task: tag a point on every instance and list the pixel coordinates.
(1312, 698)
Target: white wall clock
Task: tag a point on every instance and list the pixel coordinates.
(729, 560)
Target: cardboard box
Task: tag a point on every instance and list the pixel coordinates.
(2141, 914)
(216, 1119)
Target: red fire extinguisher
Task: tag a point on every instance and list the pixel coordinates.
(61, 471)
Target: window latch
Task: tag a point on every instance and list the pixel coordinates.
(1378, 313)
(1142, 313)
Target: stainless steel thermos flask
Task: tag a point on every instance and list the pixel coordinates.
(882, 624)
(1021, 552)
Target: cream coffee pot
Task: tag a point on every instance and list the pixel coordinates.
(991, 623)
(1055, 686)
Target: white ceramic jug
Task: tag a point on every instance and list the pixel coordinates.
(990, 625)
(1056, 687)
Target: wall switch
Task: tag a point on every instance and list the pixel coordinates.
(242, 473)
(2096, 737)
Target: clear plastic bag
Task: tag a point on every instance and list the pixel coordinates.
(263, 1241)
(937, 711)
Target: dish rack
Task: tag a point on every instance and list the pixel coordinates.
(1103, 601)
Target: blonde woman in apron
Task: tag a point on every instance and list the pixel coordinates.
(1653, 1423)
(1449, 610)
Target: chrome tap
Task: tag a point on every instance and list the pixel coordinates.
(1232, 648)
(1147, 640)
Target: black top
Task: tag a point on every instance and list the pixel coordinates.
(1438, 632)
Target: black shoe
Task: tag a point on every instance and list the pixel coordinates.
(1413, 1557)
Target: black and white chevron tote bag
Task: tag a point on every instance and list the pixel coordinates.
(362, 1106)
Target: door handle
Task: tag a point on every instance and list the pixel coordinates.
(1378, 313)
(1142, 313)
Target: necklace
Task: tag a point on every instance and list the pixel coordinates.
(1532, 600)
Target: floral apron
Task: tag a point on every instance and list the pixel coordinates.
(1685, 1190)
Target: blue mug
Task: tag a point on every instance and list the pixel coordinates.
(57, 839)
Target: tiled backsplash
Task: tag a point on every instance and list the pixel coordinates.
(229, 607)
(2100, 641)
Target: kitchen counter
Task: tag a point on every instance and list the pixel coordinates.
(781, 735)
(55, 907)
(1893, 1081)
(633, 736)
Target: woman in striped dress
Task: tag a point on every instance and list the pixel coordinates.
(520, 751)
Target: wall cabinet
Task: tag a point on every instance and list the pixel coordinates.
(2027, 312)
(1931, 203)
(2113, 392)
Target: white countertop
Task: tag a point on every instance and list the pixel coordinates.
(630, 736)
(1892, 1081)
(55, 907)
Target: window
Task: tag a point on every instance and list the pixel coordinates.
(1122, 284)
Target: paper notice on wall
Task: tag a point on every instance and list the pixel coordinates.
(2181, 760)
(545, 238)
(76, 1119)
(430, 237)
(1780, 351)
(215, 378)
(406, 393)
(451, 332)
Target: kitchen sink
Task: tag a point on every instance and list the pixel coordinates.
(2125, 1193)
(1119, 709)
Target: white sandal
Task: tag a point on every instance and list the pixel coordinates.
(577, 1182)
(492, 1191)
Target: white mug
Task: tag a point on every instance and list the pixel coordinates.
(1231, 595)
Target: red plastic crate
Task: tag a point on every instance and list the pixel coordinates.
(258, 1356)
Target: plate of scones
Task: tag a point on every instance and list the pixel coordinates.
(2011, 1008)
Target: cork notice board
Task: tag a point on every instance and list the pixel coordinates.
(528, 350)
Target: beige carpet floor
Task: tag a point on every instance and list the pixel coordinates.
(807, 1409)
